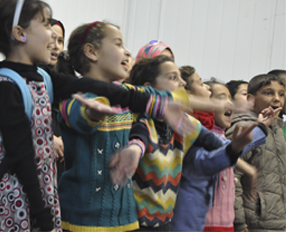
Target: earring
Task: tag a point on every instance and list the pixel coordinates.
(24, 38)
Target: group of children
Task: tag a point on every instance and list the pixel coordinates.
(150, 154)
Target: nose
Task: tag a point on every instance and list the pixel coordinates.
(54, 34)
(276, 97)
(206, 86)
(182, 82)
(127, 52)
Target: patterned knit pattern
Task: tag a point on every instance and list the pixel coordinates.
(155, 183)
(14, 208)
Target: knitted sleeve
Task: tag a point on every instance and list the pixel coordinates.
(73, 114)
(138, 99)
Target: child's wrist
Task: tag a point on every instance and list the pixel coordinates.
(140, 144)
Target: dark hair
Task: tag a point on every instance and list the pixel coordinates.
(29, 10)
(279, 73)
(213, 81)
(233, 86)
(186, 72)
(77, 59)
(60, 24)
(259, 81)
(147, 70)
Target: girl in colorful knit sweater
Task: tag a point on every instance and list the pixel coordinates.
(156, 180)
(89, 200)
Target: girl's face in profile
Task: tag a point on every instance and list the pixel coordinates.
(169, 77)
(40, 39)
(112, 56)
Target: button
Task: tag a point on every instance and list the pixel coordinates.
(223, 187)
(117, 145)
(98, 189)
(224, 178)
(116, 187)
(99, 172)
(129, 185)
(99, 151)
(224, 172)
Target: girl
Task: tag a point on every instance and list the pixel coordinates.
(89, 200)
(156, 180)
(28, 186)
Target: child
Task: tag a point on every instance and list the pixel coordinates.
(221, 215)
(195, 87)
(238, 92)
(27, 170)
(267, 212)
(157, 177)
(89, 200)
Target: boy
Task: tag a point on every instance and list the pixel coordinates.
(268, 211)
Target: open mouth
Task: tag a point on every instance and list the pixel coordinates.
(228, 113)
(274, 107)
(54, 56)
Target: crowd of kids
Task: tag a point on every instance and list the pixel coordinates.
(92, 140)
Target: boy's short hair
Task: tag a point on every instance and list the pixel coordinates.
(259, 81)
(277, 72)
(187, 71)
(233, 86)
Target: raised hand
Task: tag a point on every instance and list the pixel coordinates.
(124, 164)
(268, 115)
(178, 120)
(242, 135)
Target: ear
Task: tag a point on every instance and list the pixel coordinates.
(19, 34)
(147, 84)
(90, 52)
(251, 101)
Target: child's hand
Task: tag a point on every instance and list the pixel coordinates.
(242, 135)
(268, 115)
(59, 148)
(95, 110)
(177, 119)
(124, 164)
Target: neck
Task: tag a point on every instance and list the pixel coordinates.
(18, 55)
(95, 74)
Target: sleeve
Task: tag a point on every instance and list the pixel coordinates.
(152, 102)
(240, 219)
(140, 131)
(19, 157)
(73, 114)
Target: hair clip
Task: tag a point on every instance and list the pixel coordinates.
(65, 55)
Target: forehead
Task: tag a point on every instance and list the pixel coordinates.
(242, 87)
(58, 30)
(168, 66)
(220, 89)
(195, 77)
(112, 32)
(275, 85)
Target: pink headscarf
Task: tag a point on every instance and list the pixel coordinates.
(151, 49)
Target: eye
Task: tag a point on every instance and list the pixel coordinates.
(60, 41)
(282, 94)
(173, 77)
(118, 44)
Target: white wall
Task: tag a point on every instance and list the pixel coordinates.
(228, 39)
